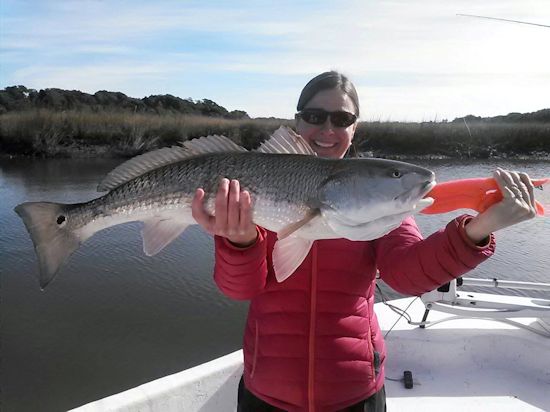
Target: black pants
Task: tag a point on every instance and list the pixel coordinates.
(250, 403)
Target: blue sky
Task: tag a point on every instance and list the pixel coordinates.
(410, 60)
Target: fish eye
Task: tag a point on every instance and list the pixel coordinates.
(61, 219)
(396, 173)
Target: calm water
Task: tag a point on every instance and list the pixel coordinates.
(114, 319)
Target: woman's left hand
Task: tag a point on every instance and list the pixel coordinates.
(517, 205)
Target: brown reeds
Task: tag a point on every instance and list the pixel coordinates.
(455, 139)
(52, 133)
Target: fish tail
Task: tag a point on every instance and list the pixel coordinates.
(53, 240)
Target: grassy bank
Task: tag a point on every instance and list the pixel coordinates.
(71, 133)
(456, 139)
(51, 133)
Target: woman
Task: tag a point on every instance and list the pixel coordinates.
(312, 342)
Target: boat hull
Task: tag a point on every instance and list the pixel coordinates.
(459, 365)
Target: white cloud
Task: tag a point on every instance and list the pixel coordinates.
(397, 52)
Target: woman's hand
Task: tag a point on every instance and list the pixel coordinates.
(517, 205)
(233, 214)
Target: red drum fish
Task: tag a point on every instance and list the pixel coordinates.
(295, 193)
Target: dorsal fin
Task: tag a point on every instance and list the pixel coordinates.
(212, 144)
(141, 164)
(144, 163)
(285, 140)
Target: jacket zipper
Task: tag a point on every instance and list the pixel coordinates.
(371, 352)
(369, 340)
(256, 339)
(312, 317)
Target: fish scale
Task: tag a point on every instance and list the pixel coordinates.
(266, 177)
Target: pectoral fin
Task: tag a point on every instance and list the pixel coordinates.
(288, 254)
(290, 229)
(158, 232)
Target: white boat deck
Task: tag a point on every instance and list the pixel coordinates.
(459, 365)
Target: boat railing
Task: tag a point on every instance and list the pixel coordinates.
(509, 284)
(464, 304)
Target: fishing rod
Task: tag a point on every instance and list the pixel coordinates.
(506, 20)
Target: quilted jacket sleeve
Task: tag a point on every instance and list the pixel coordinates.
(412, 265)
(241, 273)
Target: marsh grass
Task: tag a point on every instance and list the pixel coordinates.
(455, 139)
(51, 133)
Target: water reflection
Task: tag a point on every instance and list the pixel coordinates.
(114, 318)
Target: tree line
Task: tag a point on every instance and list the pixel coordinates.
(20, 98)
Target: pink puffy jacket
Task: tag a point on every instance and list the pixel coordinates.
(311, 341)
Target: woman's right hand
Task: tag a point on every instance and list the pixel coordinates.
(233, 214)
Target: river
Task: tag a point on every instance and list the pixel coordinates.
(114, 318)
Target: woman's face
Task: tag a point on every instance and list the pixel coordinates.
(326, 139)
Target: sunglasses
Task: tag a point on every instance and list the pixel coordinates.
(319, 117)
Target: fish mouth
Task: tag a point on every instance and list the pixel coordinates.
(428, 186)
(418, 192)
(425, 202)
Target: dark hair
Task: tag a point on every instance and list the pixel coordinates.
(327, 81)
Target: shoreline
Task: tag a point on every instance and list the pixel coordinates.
(108, 152)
